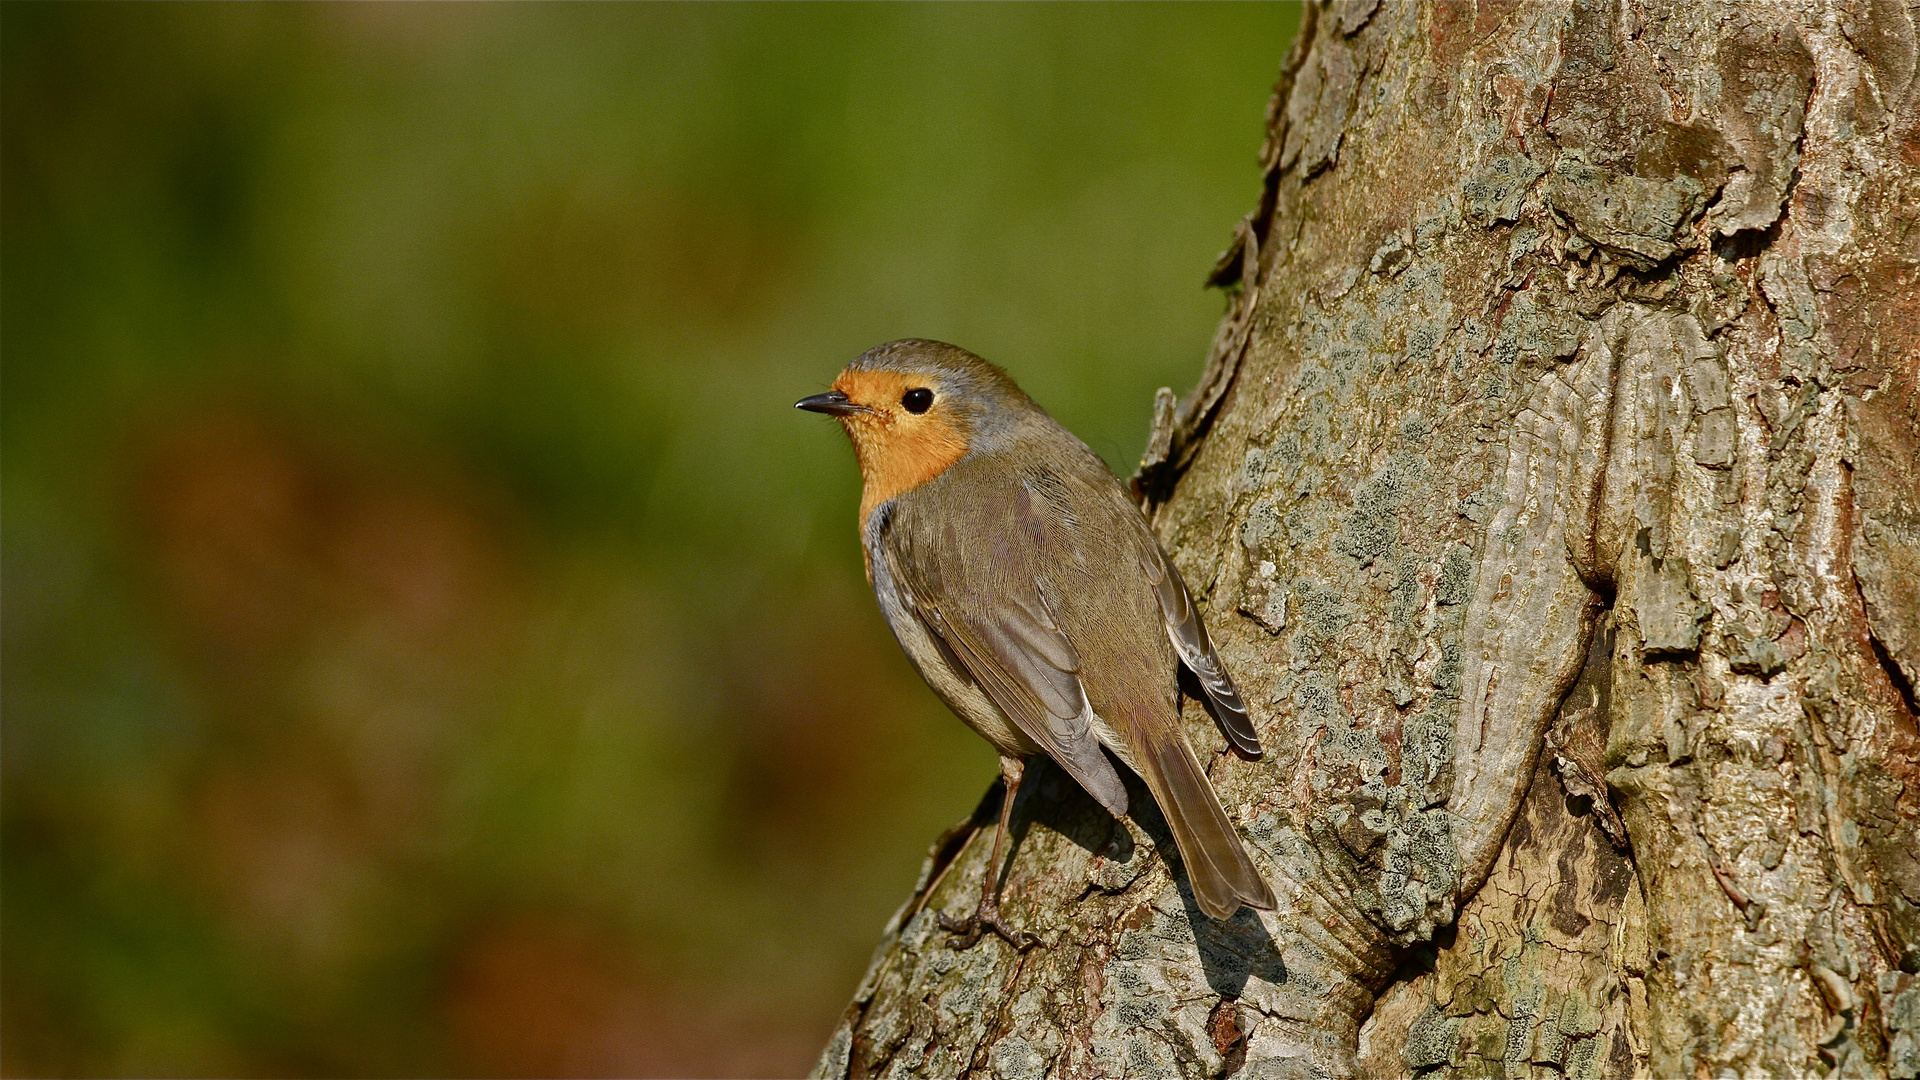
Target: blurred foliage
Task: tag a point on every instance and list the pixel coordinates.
(432, 642)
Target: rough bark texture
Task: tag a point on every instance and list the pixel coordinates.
(1567, 402)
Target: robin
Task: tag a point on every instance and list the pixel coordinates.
(1025, 586)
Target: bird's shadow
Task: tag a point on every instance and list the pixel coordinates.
(1231, 950)
(1050, 797)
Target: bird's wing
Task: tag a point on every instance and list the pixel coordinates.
(981, 600)
(1190, 641)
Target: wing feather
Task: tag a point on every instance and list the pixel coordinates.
(1018, 657)
(1190, 641)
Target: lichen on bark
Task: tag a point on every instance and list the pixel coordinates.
(1566, 400)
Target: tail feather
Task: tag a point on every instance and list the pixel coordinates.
(1222, 874)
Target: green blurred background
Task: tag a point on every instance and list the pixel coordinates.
(432, 642)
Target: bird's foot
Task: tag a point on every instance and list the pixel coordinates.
(966, 932)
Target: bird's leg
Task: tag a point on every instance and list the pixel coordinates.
(986, 917)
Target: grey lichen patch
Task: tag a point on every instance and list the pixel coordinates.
(1426, 750)
(1253, 468)
(1262, 529)
(1426, 738)
(1638, 220)
(1480, 503)
(1317, 701)
(964, 999)
(1526, 331)
(1420, 873)
(1524, 242)
(1432, 1041)
(1421, 346)
(1407, 592)
(1456, 575)
(1376, 327)
(1415, 428)
(1320, 609)
(1162, 1003)
(1447, 673)
(1432, 227)
(1263, 600)
(1148, 1058)
(1401, 860)
(1015, 1056)
(1494, 193)
(1397, 850)
(1525, 993)
(1306, 480)
(1304, 525)
(1372, 528)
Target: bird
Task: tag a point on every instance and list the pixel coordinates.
(1025, 586)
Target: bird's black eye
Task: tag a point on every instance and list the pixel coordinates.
(917, 400)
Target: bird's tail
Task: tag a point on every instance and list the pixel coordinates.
(1222, 874)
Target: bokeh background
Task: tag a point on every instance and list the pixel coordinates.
(433, 645)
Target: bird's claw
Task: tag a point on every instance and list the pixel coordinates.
(968, 931)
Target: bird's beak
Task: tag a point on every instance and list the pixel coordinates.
(833, 403)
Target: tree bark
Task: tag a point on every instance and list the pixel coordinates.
(1566, 402)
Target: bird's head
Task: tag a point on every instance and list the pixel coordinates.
(913, 408)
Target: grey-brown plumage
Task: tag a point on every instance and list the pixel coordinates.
(1025, 586)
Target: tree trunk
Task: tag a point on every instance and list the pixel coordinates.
(1566, 403)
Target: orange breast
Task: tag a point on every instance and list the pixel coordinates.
(897, 450)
